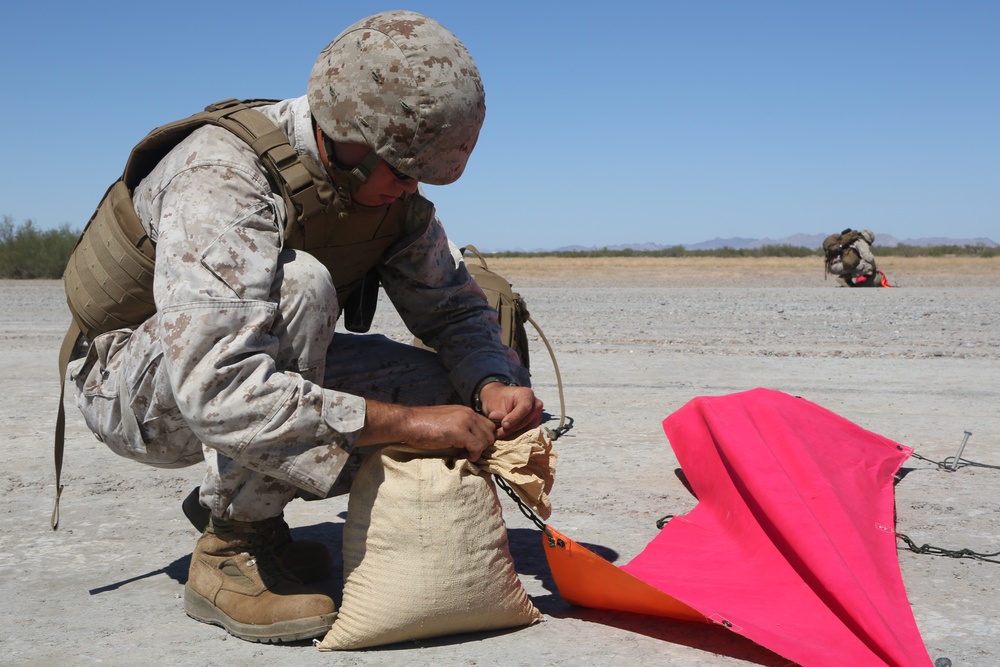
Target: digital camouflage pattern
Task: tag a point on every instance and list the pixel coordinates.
(241, 364)
(405, 86)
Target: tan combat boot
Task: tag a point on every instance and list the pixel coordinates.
(236, 582)
(306, 559)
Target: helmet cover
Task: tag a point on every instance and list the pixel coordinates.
(404, 85)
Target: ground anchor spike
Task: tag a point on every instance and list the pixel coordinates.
(961, 448)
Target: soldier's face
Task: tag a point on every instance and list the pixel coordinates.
(384, 186)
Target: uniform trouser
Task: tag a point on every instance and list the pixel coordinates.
(125, 396)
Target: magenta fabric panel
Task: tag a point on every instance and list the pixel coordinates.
(792, 543)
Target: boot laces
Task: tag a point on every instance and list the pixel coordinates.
(260, 547)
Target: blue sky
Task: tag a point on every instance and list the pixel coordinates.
(675, 121)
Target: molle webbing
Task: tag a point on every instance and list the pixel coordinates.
(109, 278)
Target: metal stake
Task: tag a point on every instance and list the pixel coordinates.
(954, 464)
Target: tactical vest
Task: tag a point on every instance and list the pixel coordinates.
(109, 276)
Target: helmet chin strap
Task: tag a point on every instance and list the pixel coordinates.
(346, 180)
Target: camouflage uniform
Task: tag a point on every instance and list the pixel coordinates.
(241, 364)
(866, 266)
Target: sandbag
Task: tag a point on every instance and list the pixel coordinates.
(528, 465)
(425, 553)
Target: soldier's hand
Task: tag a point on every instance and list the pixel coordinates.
(514, 409)
(430, 427)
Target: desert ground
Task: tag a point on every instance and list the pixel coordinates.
(635, 339)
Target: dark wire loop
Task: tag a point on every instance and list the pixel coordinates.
(561, 430)
(948, 463)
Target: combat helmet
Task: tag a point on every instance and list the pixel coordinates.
(404, 85)
(868, 236)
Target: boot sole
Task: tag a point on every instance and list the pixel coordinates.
(201, 609)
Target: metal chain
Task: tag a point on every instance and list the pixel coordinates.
(938, 551)
(951, 464)
(525, 510)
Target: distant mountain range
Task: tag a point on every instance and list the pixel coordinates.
(802, 240)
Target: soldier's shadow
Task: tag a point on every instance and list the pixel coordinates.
(176, 570)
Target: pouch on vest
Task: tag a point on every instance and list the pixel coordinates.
(511, 308)
(109, 277)
(359, 311)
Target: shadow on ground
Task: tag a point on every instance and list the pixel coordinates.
(528, 552)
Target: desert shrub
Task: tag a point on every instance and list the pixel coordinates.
(28, 252)
(903, 250)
